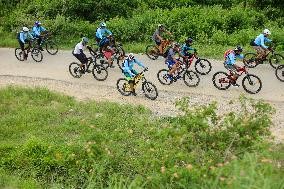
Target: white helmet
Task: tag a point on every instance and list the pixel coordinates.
(25, 29)
(266, 32)
(131, 56)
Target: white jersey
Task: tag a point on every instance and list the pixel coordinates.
(78, 47)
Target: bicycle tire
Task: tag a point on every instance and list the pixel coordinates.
(152, 52)
(223, 78)
(249, 78)
(51, 47)
(202, 64)
(278, 58)
(162, 77)
(279, 72)
(75, 70)
(36, 55)
(148, 87)
(124, 84)
(101, 71)
(193, 77)
(19, 54)
(249, 60)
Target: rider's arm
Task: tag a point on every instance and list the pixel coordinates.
(35, 31)
(109, 32)
(22, 39)
(99, 33)
(30, 36)
(139, 63)
(42, 29)
(231, 59)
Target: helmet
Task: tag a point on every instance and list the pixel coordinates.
(37, 23)
(238, 48)
(85, 40)
(188, 40)
(25, 29)
(161, 26)
(131, 56)
(103, 24)
(266, 31)
(176, 44)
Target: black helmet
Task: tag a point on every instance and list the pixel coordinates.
(188, 40)
(238, 48)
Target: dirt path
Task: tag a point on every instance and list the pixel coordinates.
(53, 74)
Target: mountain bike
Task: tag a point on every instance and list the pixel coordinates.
(202, 66)
(222, 80)
(99, 72)
(279, 72)
(47, 42)
(153, 52)
(190, 78)
(148, 88)
(35, 53)
(272, 57)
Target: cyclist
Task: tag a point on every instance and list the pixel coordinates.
(172, 61)
(37, 29)
(129, 71)
(24, 37)
(102, 38)
(157, 37)
(187, 47)
(78, 52)
(259, 44)
(101, 34)
(230, 62)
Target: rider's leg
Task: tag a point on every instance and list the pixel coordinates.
(22, 45)
(259, 51)
(174, 69)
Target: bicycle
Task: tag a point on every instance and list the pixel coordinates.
(35, 53)
(50, 46)
(98, 71)
(190, 78)
(279, 72)
(222, 80)
(202, 66)
(274, 59)
(148, 88)
(153, 52)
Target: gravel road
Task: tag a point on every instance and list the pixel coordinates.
(53, 73)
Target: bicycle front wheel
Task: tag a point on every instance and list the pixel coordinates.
(251, 84)
(51, 47)
(150, 90)
(163, 78)
(191, 78)
(123, 87)
(279, 72)
(37, 55)
(99, 72)
(203, 66)
(19, 54)
(276, 60)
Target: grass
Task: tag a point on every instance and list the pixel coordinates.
(48, 140)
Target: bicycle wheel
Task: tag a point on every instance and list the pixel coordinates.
(279, 72)
(249, 60)
(99, 72)
(221, 80)
(37, 55)
(19, 54)
(276, 60)
(119, 52)
(163, 77)
(191, 78)
(152, 52)
(251, 84)
(123, 87)
(150, 90)
(51, 47)
(120, 63)
(203, 66)
(100, 59)
(75, 70)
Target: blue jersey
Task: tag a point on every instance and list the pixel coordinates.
(37, 30)
(25, 35)
(231, 58)
(100, 33)
(128, 65)
(260, 40)
(185, 49)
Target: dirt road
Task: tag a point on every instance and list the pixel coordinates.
(53, 74)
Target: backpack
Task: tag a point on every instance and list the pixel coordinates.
(227, 53)
(18, 35)
(127, 60)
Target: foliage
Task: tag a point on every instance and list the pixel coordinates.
(61, 143)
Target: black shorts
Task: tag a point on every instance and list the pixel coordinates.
(81, 57)
(22, 45)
